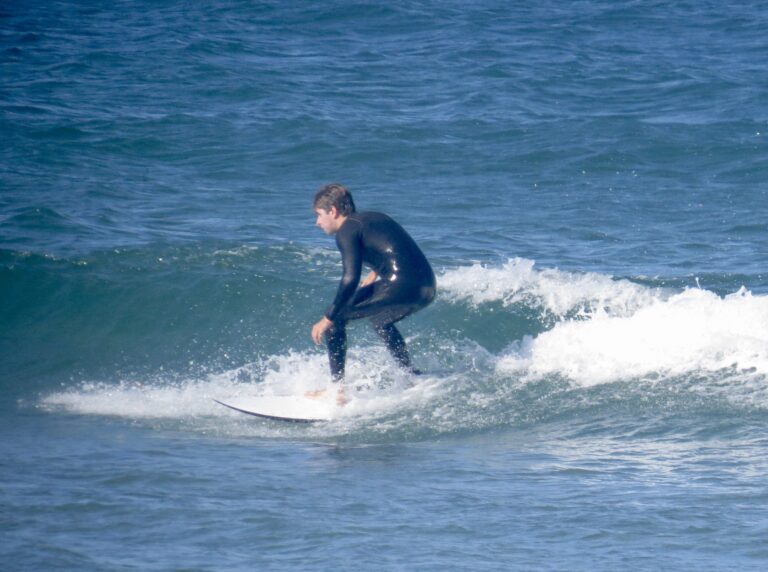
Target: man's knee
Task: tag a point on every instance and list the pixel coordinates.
(379, 328)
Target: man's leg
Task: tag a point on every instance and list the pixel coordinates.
(336, 340)
(384, 307)
(395, 344)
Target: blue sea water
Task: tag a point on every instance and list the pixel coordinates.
(589, 180)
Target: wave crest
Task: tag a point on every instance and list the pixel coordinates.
(693, 331)
(553, 291)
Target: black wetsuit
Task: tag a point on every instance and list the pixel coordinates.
(405, 284)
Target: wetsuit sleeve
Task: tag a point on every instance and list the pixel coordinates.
(351, 248)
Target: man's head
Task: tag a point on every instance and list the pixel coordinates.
(334, 195)
(333, 204)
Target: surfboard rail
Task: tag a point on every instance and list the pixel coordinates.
(265, 408)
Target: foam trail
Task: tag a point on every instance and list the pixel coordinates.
(694, 331)
(144, 400)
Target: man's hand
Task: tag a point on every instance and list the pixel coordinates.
(370, 279)
(319, 329)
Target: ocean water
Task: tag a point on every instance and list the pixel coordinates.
(590, 182)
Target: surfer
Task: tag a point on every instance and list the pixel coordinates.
(400, 283)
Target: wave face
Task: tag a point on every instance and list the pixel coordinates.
(156, 335)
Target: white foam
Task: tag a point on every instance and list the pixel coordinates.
(376, 388)
(239, 251)
(157, 399)
(555, 291)
(693, 331)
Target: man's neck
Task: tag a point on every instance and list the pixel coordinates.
(340, 222)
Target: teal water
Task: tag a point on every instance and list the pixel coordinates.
(589, 181)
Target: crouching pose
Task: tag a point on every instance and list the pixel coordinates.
(400, 283)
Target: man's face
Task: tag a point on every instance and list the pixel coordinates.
(329, 221)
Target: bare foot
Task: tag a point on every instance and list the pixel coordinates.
(322, 393)
(317, 394)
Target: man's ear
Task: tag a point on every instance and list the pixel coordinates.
(334, 212)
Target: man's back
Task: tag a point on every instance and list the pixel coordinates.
(380, 242)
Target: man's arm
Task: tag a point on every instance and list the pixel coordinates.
(351, 248)
(322, 326)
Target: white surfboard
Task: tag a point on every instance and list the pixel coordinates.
(298, 409)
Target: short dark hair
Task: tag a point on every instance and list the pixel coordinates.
(334, 195)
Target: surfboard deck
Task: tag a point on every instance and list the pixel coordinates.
(291, 408)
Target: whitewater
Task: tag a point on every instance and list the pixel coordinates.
(596, 330)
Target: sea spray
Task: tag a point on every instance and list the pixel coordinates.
(693, 331)
(554, 292)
